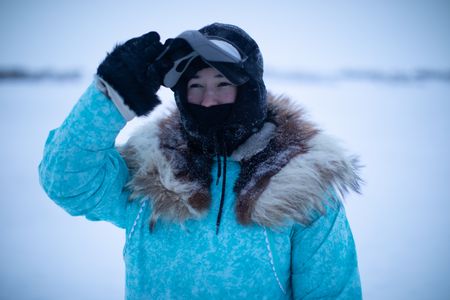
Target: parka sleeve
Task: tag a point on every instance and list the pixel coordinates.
(81, 170)
(324, 263)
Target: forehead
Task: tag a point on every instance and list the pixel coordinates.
(207, 73)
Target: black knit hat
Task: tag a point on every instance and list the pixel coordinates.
(250, 108)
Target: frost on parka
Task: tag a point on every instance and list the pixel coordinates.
(287, 169)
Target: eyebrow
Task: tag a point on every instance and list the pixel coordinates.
(215, 76)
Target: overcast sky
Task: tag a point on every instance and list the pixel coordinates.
(294, 35)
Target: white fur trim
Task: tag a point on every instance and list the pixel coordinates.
(146, 143)
(294, 193)
(300, 185)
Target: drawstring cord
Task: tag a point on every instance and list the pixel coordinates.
(219, 168)
(224, 177)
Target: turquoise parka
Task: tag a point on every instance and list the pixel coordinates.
(83, 172)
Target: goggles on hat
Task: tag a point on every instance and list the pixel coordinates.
(217, 53)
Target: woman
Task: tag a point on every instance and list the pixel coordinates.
(230, 194)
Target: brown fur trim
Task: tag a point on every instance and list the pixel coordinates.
(290, 139)
(287, 170)
(160, 170)
(301, 190)
(187, 165)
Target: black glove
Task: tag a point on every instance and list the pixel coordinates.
(126, 69)
(163, 64)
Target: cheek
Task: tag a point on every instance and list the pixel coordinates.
(229, 95)
(194, 96)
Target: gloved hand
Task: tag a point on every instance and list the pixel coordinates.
(162, 64)
(127, 70)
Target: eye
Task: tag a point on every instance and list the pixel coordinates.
(195, 85)
(224, 83)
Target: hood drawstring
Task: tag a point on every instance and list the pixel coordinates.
(219, 168)
(221, 147)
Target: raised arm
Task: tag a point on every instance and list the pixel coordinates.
(81, 170)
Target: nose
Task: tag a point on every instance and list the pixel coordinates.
(209, 98)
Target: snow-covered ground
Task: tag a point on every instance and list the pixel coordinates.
(401, 132)
(400, 222)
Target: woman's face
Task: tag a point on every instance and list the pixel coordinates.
(209, 87)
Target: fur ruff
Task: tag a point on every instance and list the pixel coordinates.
(286, 177)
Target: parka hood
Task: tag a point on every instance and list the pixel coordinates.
(250, 108)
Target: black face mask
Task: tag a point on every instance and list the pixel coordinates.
(210, 118)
